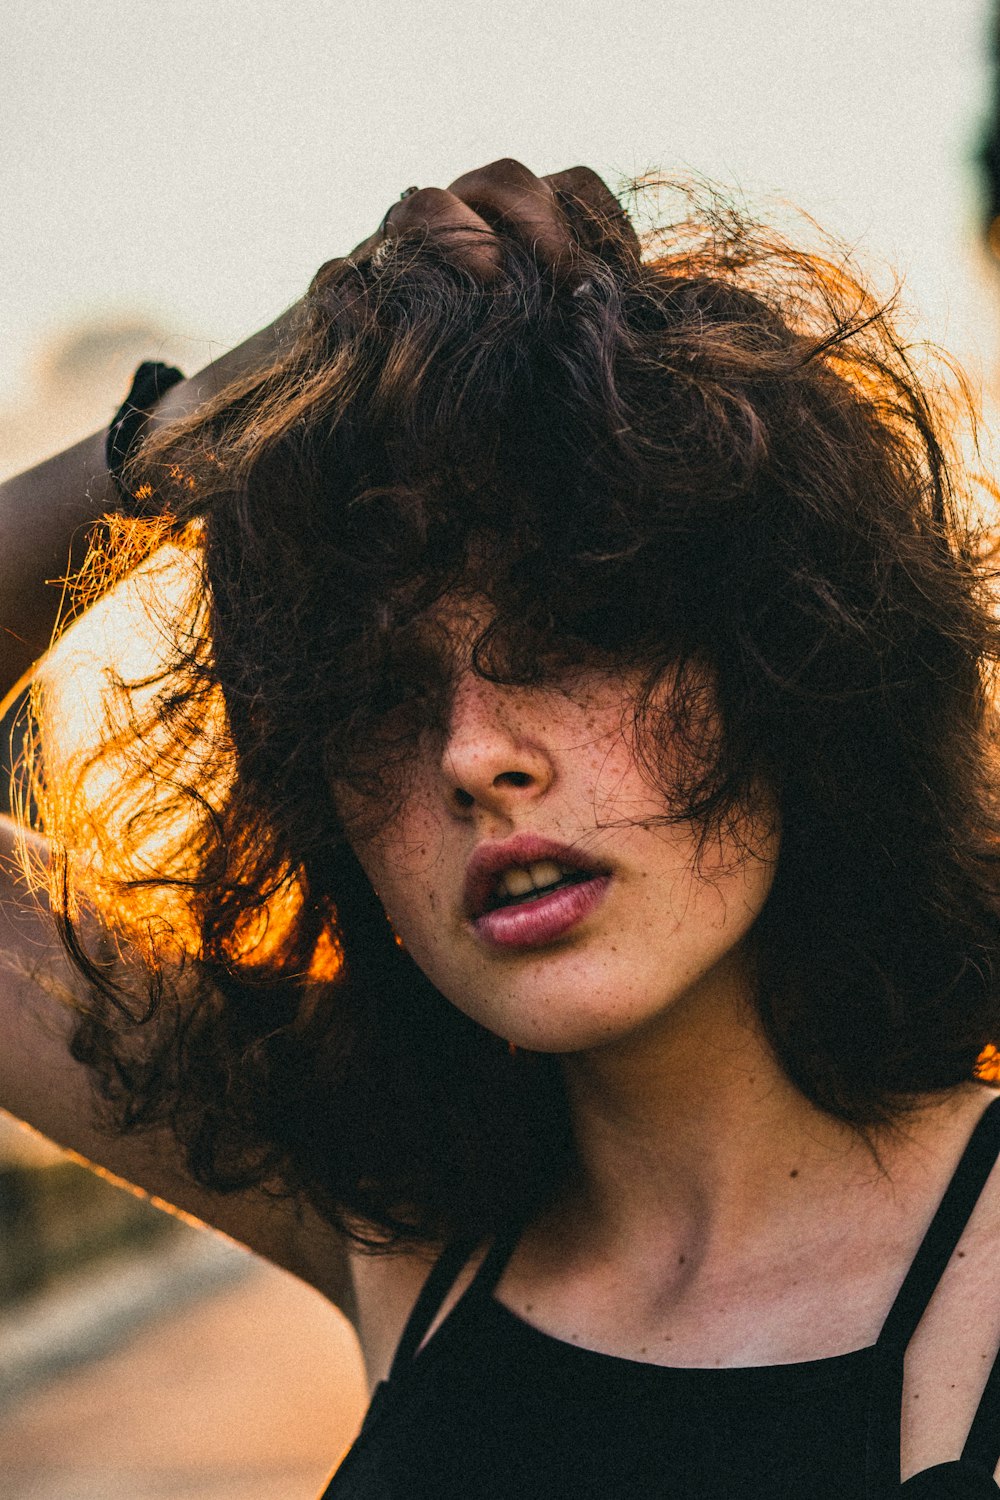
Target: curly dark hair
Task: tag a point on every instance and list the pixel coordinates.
(714, 456)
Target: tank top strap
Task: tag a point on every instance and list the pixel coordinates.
(945, 1231)
(919, 1285)
(982, 1446)
(439, 1283)
(494, 1262)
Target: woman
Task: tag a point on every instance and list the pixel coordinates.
(581, 748)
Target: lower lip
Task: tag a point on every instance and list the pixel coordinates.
(535, 923)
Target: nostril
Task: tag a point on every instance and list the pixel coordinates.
(512, 778)
(463, 798)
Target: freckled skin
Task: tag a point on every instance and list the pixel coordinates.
(560, 764)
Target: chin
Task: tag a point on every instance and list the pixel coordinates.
(584, 1006)
(550, 1019)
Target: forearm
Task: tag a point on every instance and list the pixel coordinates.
(42, 1084)
(253, 354)
(46, 512)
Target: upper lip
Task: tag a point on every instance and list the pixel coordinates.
(487, 860)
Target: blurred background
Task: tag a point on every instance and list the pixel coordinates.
(171, 179)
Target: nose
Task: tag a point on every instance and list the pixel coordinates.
(495, 754)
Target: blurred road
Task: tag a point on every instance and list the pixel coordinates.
(251, 1393)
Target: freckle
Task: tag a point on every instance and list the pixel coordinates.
(681, 1259)
(643, 1349)
(529, 1307)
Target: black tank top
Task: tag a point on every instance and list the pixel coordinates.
(493, 1409)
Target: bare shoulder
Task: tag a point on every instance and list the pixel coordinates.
(386, 1286)
(958, 1337)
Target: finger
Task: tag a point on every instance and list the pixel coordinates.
(510, 197)
(469, 240)
(598, 219)
(437, 212)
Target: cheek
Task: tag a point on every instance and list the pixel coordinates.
(405, 863)
(726, 903)
(697, 900)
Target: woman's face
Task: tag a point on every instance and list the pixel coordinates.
(527, 873)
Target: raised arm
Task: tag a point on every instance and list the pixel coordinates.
(41, 512)
(47, 512)
(41, 1084)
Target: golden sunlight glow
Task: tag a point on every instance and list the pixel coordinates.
(124, 637)
(123, 821)
(988, 1067)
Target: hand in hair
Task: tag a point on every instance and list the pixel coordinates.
(44, 509)
(552, 216)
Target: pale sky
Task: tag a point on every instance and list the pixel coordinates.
(188, 165)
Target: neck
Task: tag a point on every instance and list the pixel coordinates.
(692, 1136)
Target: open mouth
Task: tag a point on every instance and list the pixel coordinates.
(526, 883)
(535, 903)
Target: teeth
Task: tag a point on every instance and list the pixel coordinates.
(515, 883)
(525, 878)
